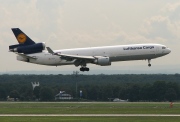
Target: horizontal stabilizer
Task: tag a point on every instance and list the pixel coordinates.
(31, 57)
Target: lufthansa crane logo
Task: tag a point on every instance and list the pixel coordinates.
(21, 38)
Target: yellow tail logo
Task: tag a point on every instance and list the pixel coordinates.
(21, 38)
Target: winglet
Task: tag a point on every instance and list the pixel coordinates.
(50, 50)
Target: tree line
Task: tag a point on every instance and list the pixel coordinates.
(94, 87)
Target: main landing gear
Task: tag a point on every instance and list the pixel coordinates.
(84, 69)
(149, 62)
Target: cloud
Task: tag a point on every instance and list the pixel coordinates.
(158, 26)
(164, 27)
(171, 7)
(94, 27)
(60, 21)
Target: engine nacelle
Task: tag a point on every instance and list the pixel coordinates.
(28, 49)
(103, 61)
(21, 58)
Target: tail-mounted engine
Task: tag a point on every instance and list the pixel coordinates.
(28, 49)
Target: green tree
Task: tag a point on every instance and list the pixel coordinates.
(36, 92)
(134, 93)
(108, 91)
(3, 94)
(116, 92)
(170, 94)
(159, 90)
(14, 94)
(93, 93)
(46, 94)
(146, 92)
(26, 93)
(174, 86)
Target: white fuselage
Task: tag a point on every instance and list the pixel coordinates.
(115, 53)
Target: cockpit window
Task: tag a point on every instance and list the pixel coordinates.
(163, 47)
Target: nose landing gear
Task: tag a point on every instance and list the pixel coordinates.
(149, 62)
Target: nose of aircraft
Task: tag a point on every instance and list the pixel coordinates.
(168, 50)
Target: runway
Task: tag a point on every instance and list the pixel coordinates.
(91, 115)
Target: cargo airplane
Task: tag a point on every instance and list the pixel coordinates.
(29, 51)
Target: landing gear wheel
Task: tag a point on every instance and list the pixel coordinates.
(87, 69)
(149, 62)
(84, 69)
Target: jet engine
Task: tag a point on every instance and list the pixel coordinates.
(28, 49)
(102, 61)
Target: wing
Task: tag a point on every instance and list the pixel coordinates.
(66, 56)
(78, 59)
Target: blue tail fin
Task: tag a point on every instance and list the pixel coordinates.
(21, 37)
(26, 45)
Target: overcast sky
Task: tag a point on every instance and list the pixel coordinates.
(85, 23)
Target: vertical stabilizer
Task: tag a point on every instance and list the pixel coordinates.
(21, 37)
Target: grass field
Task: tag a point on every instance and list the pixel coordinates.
(89, 119)
(88, 108)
